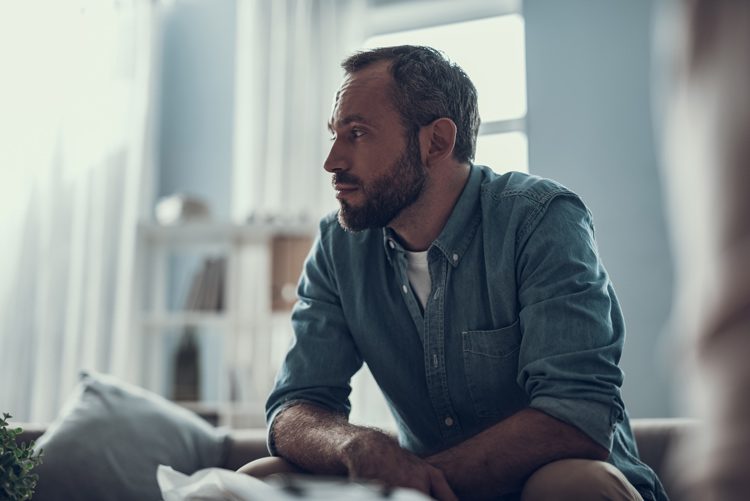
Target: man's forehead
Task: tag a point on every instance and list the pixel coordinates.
(362, 96)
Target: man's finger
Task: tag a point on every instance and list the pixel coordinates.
(440, 489)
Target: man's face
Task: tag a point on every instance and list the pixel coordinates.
(377, 170)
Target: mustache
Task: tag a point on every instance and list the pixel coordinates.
(344, 178)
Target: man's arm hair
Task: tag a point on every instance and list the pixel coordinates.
(314, 438)
(323, 442)
(500, 459)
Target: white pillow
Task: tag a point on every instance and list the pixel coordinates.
(111, 436)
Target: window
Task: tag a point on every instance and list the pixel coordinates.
(492, 52)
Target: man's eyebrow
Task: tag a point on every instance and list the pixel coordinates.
(346, 121)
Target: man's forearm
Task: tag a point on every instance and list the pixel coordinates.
(500, 459)
(323, 442)
(314, 438)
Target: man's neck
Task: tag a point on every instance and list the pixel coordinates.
(421, 223)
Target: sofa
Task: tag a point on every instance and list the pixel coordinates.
(655, 438)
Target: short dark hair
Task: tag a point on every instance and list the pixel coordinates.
(427, 86)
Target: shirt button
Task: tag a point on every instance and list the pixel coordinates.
(455, 258)
(449, 421)
(391, 244)
(405, 289)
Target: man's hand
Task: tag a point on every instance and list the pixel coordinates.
(373, 455)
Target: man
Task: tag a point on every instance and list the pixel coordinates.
(478, 302)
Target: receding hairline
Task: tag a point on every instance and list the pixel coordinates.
(388, 89)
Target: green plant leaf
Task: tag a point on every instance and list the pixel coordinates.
(17, 462)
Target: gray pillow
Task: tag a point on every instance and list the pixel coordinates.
(111, 436)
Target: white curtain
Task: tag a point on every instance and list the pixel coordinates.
(75, 171)
(288, 56)
(288, 70)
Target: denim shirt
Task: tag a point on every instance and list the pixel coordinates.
(521, 313)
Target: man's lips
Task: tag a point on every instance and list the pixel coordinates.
(343, 189)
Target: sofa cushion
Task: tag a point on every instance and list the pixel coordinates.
(111, 436)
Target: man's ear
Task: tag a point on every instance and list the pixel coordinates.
(437, 140)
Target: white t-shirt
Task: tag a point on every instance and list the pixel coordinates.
(419, 275)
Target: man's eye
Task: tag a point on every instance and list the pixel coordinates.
(358, 133)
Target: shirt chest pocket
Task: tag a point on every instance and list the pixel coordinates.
(491, 367)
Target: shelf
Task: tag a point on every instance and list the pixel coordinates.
(197, 319)
(258, 262)
(201, 233)
(186, 319)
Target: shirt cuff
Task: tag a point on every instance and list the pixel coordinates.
(595, 419)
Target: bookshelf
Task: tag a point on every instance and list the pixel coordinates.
(229, 285)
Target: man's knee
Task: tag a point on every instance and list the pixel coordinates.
(578, 479)
(263, 467)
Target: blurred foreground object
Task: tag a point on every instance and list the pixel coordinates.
(708, 183)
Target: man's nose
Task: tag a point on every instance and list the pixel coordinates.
(335, 161)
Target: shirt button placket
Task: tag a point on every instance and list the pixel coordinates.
(435, 336)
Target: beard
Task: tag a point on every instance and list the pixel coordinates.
(387, 196)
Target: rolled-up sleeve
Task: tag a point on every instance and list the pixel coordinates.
(322, 358)
(572, 325)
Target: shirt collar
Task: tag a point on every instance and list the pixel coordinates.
(463, 222)
(459, 230)
(390, 243)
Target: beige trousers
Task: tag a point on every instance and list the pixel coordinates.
(564, 480)
(578, 479)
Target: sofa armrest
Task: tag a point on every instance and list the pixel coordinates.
(657, 438)
(245, 445)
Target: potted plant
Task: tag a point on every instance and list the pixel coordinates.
(17, 481)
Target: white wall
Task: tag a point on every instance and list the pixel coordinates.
(197, 101)
(589, 126)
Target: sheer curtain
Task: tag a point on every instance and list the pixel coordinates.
(75, 167)
(287, 72)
